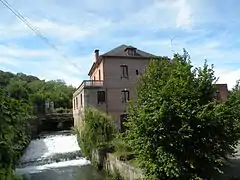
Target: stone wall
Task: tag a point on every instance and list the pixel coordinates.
(34, 127)
(50, 122)
(115, 167)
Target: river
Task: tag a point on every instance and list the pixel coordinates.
(56, 156)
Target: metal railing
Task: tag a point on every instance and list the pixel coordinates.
(88, 83)
(92, 83)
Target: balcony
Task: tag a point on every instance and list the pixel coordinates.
(92, 83)
(88, 84)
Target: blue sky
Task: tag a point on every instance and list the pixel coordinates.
(207, 29)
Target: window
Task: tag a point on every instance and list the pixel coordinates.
(131, 51)
(99, 74)
(218, 95)
(101, 97)
(94, 78)
(125, 96)
(81, 100)
(76, 103)
(137, 72)
(74, 106)
(124, 71)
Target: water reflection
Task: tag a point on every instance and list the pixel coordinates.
(86, 172)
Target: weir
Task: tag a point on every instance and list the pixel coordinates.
(56, 156)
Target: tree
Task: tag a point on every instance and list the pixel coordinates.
(35, 91)
(17, 89)
(14, 117)
(98, 131)
(176, 128)
(234, 100)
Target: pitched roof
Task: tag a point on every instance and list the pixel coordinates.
(121, 52)
(222, 87)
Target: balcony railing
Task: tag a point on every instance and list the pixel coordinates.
(92, 83)
(88, 84)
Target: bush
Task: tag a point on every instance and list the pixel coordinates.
(176, 127)
(13, 136)
(97, 132)
(62, 110)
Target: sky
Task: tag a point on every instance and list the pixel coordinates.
(207, 29)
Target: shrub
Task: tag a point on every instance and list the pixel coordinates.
(176, 127)
(13, 136)
(98, 131)
(60, 110)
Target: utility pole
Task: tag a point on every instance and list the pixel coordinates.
(171, 43)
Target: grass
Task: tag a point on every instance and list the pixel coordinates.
(121, 153)
(134, 163)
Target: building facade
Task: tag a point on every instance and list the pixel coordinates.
(113, 78)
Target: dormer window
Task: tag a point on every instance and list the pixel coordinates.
(131, 51)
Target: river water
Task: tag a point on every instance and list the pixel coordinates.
(56, 156)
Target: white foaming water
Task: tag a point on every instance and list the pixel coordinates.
(42, 148)
(48, 147)
(36, 169)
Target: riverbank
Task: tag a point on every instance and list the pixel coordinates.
(112, 164)
(118, 165)
(100, 142)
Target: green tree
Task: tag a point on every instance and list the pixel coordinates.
(34, 91)
(14, 117)
(176, 128)
(97, 131)
(17, 89)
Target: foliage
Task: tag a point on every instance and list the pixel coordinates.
(121, 146)
(176, 128)
(35, 91)
(74, 130)
(62, 110)
(13, 133)
(98, 131)
(234, 99)
(20, 96)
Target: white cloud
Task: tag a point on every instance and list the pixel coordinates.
(8, 61)
(228, 76)
(17, 51)
(53, 74)
(96, 23)
(184, 16)
(53, 29)
(82, 23)
(46, 64)
(69, 31)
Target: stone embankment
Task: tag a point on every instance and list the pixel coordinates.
(115, 167)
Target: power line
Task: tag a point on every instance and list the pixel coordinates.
(36, 31)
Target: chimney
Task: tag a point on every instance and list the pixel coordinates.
(96, 54)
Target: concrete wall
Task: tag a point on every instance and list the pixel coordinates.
(78, 107)
(125, 170)
(223, 92)
(98, 73)
(89, 99)
(114, 166)
(114, 84)
(113, 71)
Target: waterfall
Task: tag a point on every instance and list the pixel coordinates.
(51, 151)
